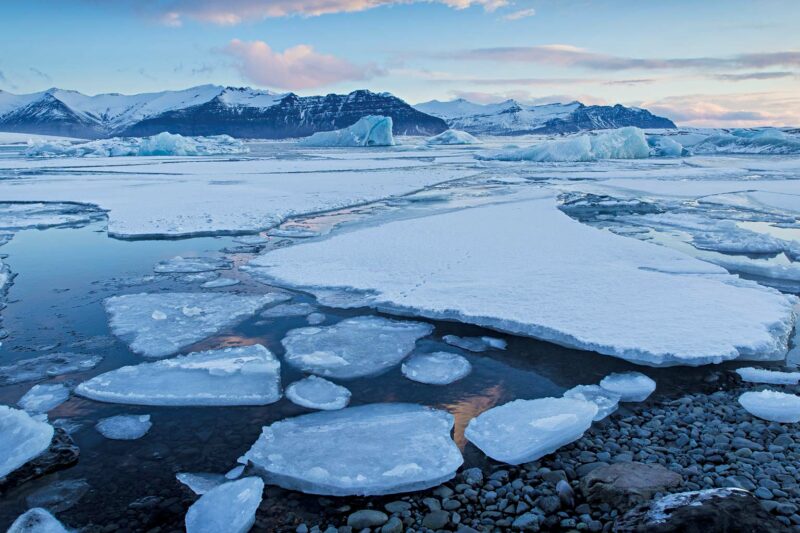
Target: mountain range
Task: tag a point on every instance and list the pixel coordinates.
(254, 113)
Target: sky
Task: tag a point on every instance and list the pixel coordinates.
(728, 63)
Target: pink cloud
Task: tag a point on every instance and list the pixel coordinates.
(729, 110)
(298, 67)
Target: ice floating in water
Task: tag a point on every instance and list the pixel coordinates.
(630, 386)
(438, 368)
(37, 520)
(367, 450)
(124, 427)
(741, 141)
(318, 393)
(371, 130)
(235, 472)
(21, 438)
(43, 398)
(773, 377)
(622, 143)
(525, 430)
(219, 283)
(315, 319)
(772, 405)
(606, 401)
(228, 508)
(41, 215)
(453, 137)
(191, 265)
(44, 366)
(246, 375)
(475, 344)
(200, 483)
(156, 325)
(356, 347)
(163, 144)
(288, 310)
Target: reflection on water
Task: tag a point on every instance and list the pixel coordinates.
(469, 407)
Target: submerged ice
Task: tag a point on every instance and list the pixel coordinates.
(44, 366)
(37, 520)
(438, 368)
(44, 398)
(371, 130)
(318, 393)
(21, 438)
(475, 344)
(163, 144)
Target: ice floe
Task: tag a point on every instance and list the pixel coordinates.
(191, 265)
(316, 319)
(475, 344)
(37, 520)
(50, 365)
(584, 288)
(245, 375)
(163, 144)
(773, 377)
(453, 137)
(606, 401)
(525, 430)
(43, 398)
(372, 130)
(156, 325)
(772, 405)
(219, 283)
(355, 347)
(318, 393)
(367, 450)
(41, 215)
(288, 310)
(200, 482)
(124, 427)
(630, 386)
(437, 368)
(227, 508)
(21, 438)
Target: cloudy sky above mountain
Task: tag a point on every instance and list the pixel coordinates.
(710, 63)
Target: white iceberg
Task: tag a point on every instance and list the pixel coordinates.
(368, 450)
(163, 144)
(453, 137)
(475, 344)
(37, 520)
(353, 348)
(21, 438)
(525, 430)
(288, 310)
(245, 375)
(318, 393)
(772, 377)
(437, 368)
(228, 508)
(124, 427)
(772, 405)
(372, 130)
(191, 265)
(630, 386)
(156, 325)
(606, 401)
(44, 398)
(200, 482)
(44, 366)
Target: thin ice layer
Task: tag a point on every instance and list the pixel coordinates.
(190, 265)
(629, 386)
(371, 130)
(44, 398)
(525, 430)
(772, 405)
(475, 344)
(367, 450)
(44, 366)
(200, 482)
(437, 368)
(773, 377)
(583, 287)
(21, 438)
(355, 347)
(245, 375)
(229, 508)
(318, 393)
(124, 427)
(156, 325)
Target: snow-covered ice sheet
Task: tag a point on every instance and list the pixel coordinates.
(45, 397)
(318, 393)
(475, 344)
(367, 450)
(772, 405)
(353, 348)
(37, 520)
(773, 377)
(160, 324)
(629, 386)
(162, 144)
(49, 365)
(21, 438)
(525, 430)
(227, 508)
(124, 427)
(437, 368)
(606, 401)
(191, 265)
(453, 137)
(200, 482)
(584, 288)
(246, 375)
(371, 130)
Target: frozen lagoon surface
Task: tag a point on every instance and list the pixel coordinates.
(59, 325)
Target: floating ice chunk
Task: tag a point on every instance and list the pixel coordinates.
(124, 427)
(367, 450)
(228, 508)
(235, 472)
(156, 325)
(772, 405)
(353, 348)
(44, 366)
(438, 368)
(315, 319)
(318, 393)
(245, 375)
(163, 144)
(43, 398)
(630, 386)
(60, 495)
(371, 130)
(606, 401)
(453, 137)
(661, 146)
(37, 520)
(288, 310)
(525, 430)
(21, 438)
(773, 377)
(219, 283)
(191, 265)
(475, 344)
(200, 482)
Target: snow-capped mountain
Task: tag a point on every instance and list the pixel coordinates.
(512, 118)
(204, 110)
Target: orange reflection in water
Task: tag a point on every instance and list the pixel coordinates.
(470, 407)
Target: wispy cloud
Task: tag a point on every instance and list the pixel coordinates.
(520, 14)
(41, 75)
(298, 67)
(747, 76)
(733, 110)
